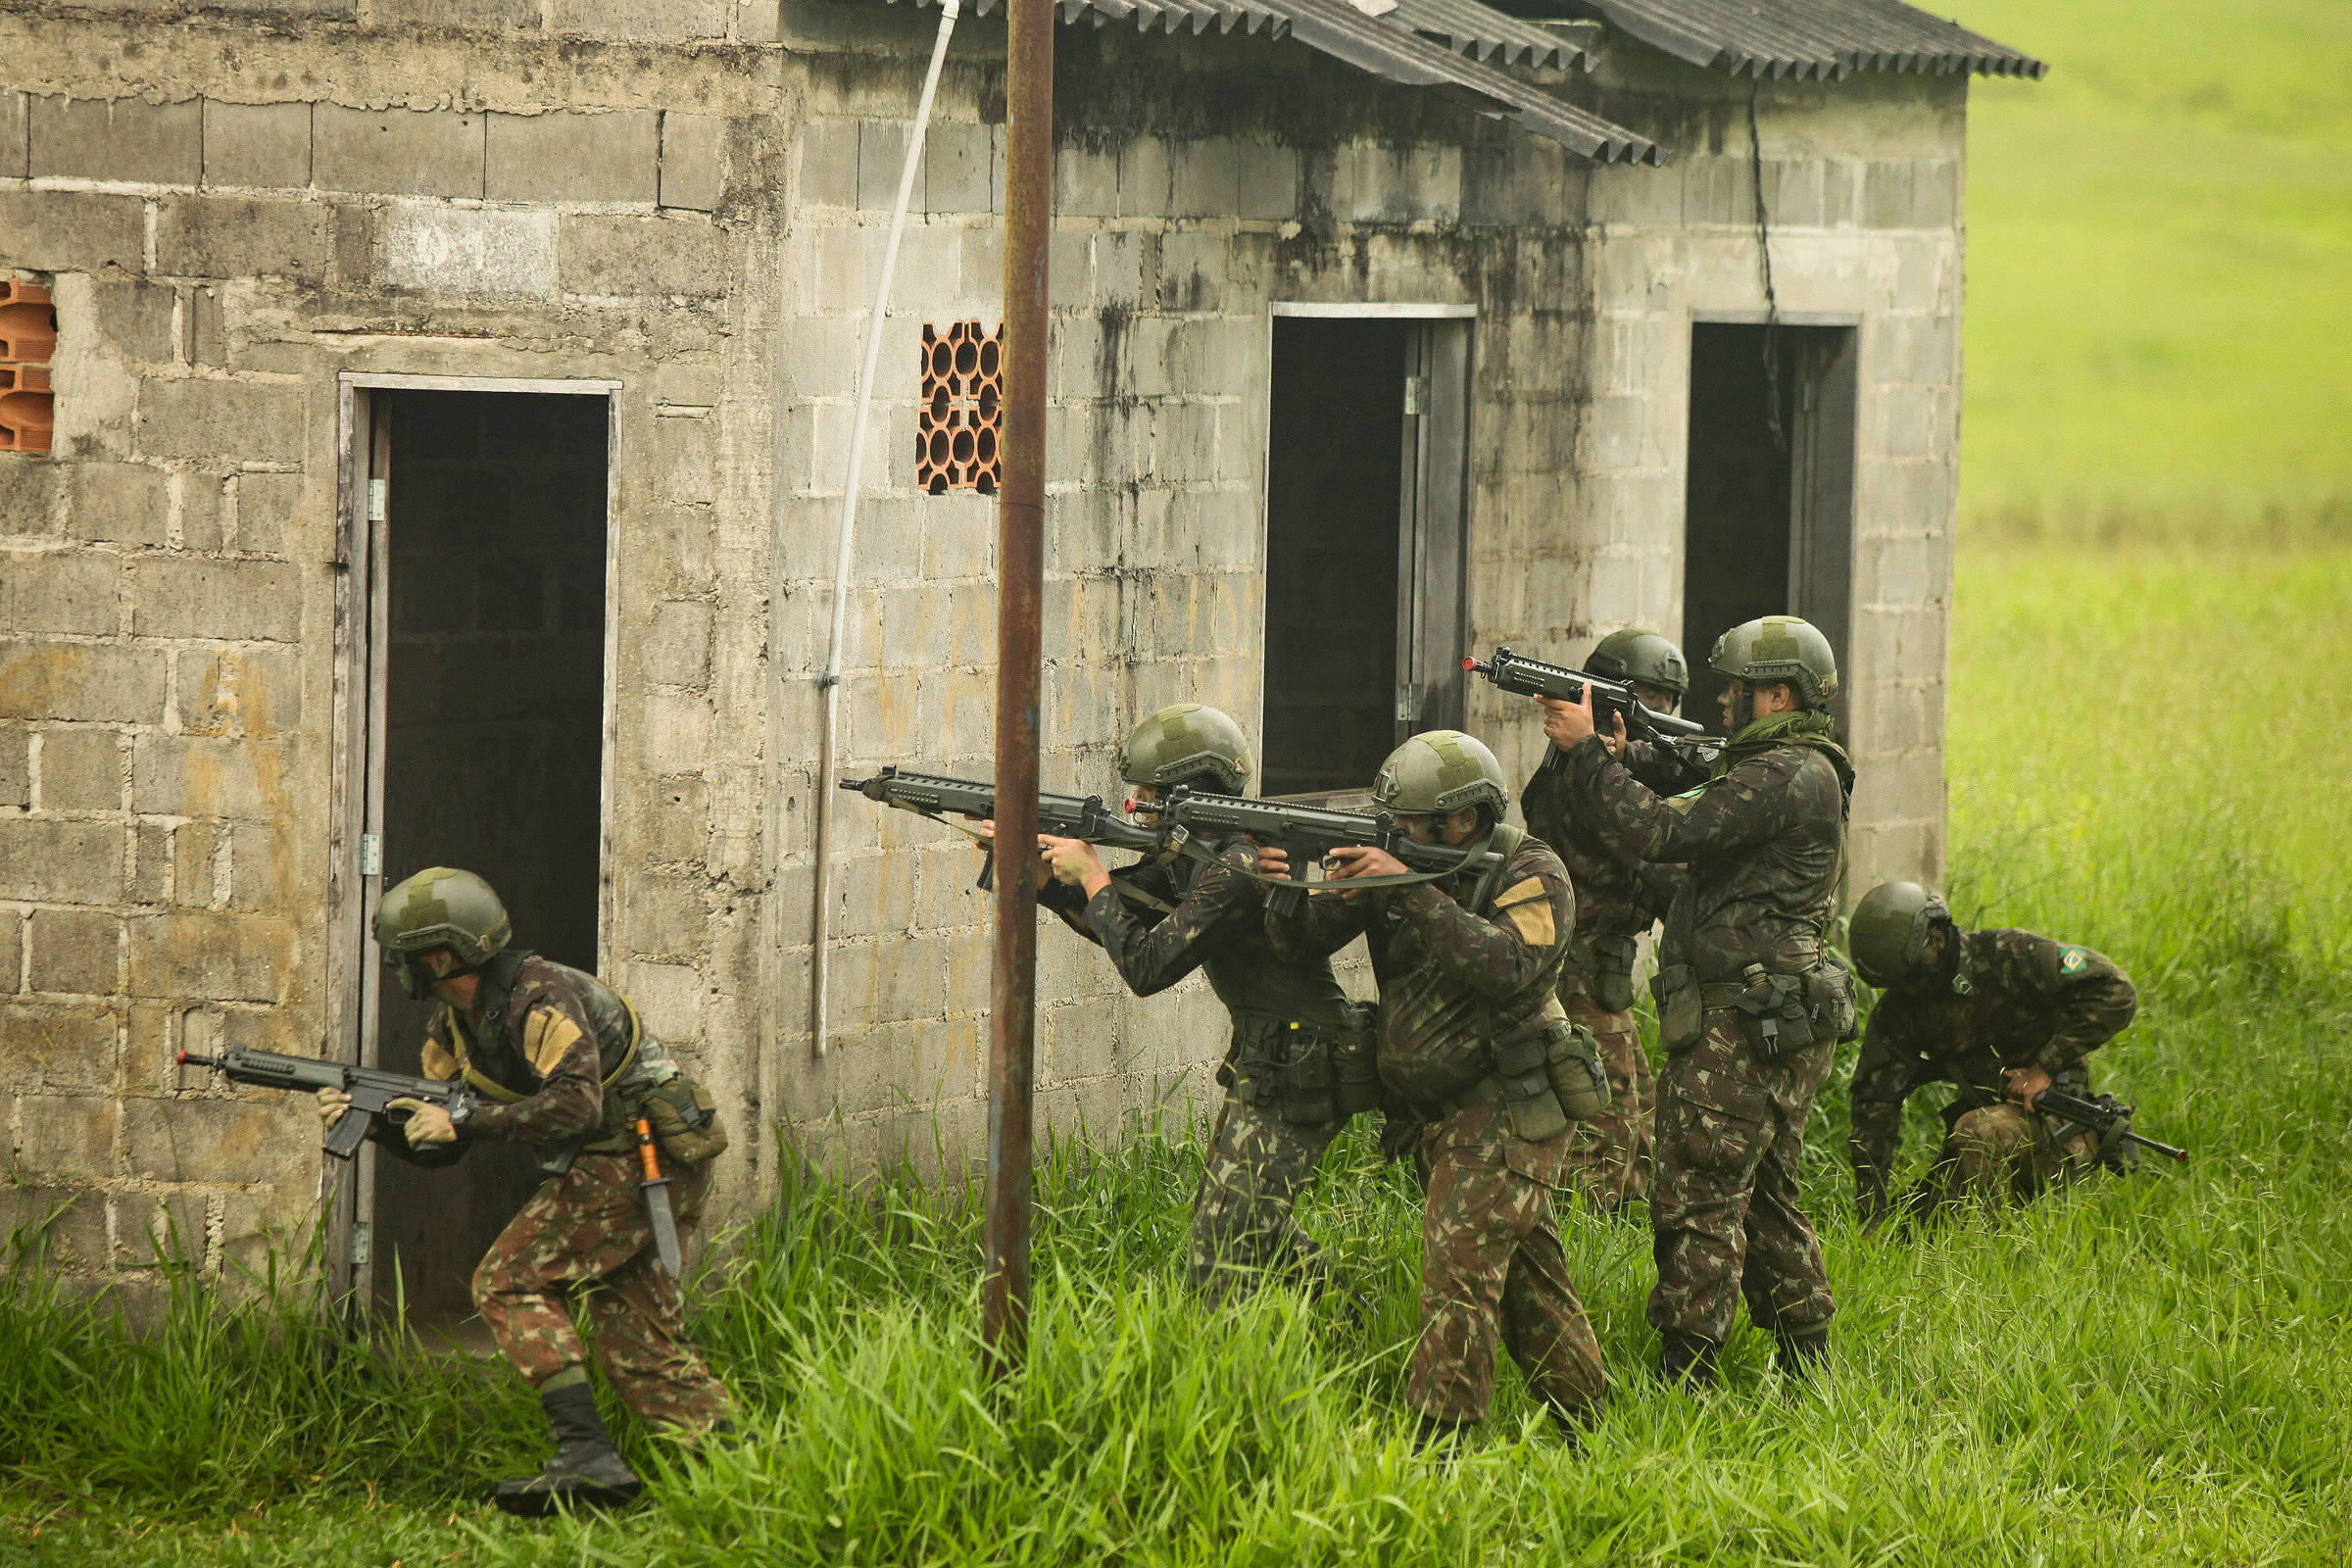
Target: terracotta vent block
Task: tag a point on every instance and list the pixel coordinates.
(28, 337)
(955, 431)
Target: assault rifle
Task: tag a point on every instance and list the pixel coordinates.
(371, 1088)
(1532, 678)
(2104, 1116)
(1064, 816)
(1307, 834)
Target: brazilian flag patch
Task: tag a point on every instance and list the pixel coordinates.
(2070, 961)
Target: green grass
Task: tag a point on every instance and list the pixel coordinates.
(2160, 267)
(2157, 1369)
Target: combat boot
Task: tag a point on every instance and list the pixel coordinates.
(1687, 1361)
(1800, 1355)
(1439, 1438)
(587, 1471)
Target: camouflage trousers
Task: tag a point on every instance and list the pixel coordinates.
(1243, 1228)
(1724, 1217)
(585, 1238)
(1491, 1268)
(1608, 1157)
(1996, 1156)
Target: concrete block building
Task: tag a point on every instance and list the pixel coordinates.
(423, 432)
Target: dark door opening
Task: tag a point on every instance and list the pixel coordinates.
(1768, 513)
(1365, 543)
(491, 676)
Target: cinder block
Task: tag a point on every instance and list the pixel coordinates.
(123, 139)
(16, 781)
(641, 19)
(1887, 195)
(209, 956)
(484, 253)
(641, 256)
(692, 160)
(207, 1140)
(257, 145)
(80, 680)
(1147, 177)
(44, 860)
(137, 319)
(397, 151)
(63, 1226)
(76, 952)
(81, 770)
(12, 933)
(1265, 183)
(166, 1230)
(196, 849)
(828, 156)
(227, 421)
(197, 775)
(30, 499)
(219, 236)
(15, 151)
(677, 644)
(957, 173)
(567, 157)
(487, 14)
(1207, 177)
(74, 231)
(1086, 182)
(54, 591)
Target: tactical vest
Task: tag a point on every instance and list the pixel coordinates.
(630, 1062)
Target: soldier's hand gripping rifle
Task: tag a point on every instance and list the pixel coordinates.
(1532, 678)
(943, 799)
(2111, 1120)
(371, 1090)
(1307, 834)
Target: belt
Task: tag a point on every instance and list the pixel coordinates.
(1720, 996)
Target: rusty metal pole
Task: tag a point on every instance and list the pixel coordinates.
(1021, 589)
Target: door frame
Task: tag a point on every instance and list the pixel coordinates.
(1434, 528)
(363, 581)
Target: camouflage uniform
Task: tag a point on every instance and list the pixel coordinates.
(2014, 1000)
(1763, 841)
(1617, 898)
(1492, 1266)
(544, 1037)
(1243, 1226)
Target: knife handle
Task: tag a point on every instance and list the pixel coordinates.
(646, 1154)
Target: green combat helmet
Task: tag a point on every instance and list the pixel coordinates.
(1887, 935)
(1438, 772)
(439, 908)
(1779, 648)
(1183, 741)
(1635, 654)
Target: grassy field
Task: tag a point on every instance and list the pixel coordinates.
(2155, 1369)
(2160, 267)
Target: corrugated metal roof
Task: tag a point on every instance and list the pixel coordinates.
(1811, 38)
(1398, 42)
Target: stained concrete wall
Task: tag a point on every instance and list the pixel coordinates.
(696, 212)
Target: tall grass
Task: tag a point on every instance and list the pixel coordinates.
(2152, 1369)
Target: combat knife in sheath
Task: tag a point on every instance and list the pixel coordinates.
(657, 1201)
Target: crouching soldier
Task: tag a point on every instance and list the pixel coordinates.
(1475, 1050)
(559, 1062)
(2004, 1014)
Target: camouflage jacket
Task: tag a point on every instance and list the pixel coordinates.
(1764, 842)
(1617, 894)
(2017, 999)
(1447, 976)
(548, 1035)
(1215, 926)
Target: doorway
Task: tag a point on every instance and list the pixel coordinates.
(1365, 481)
(486, 683)
(1768, 499)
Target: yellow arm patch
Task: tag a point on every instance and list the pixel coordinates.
(440, 1063)
(546, 1035)
(1529, 904)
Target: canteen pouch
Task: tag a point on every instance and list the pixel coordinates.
(1830, 995)
(1355, 1060)
(1612, 983)
(1578, 1078)
(685, 1120)
(1523, 1069)
(1682, 1016)
(1775, 1015)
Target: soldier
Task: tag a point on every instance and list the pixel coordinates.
(1299, 1063)
(1751, 1002)
(1467, 969)
(560, 1063)
(2000, 1013)
(1617, 897)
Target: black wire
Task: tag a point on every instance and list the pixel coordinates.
(1772, 304)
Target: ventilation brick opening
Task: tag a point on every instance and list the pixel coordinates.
(956, 429)
(28, 338)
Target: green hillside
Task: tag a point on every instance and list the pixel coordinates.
(2160, 263)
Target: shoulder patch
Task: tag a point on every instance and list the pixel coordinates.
(1686, 800)
(546, 1035)
(1529, 905)
(2072, 962)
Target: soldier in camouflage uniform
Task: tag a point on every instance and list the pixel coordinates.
(558, 1062)
(1467, 968)
(1617, 898)
(2004, 1014)
(1751, 1000)
(1300, 1059)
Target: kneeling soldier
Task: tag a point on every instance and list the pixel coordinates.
(1473, 1049)
(2004, 1014)
(1300, 1062)
(561, 1064)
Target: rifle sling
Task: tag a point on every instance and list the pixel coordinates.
(491, 1089)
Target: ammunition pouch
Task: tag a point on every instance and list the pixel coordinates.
(685, 1121)
(1546, 1072)
(1681, 1010)
(1578, 1077)
(1306, 1074)
(1781, 1015)
(1611, 985)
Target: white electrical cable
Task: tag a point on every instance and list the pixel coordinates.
(820, 953)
